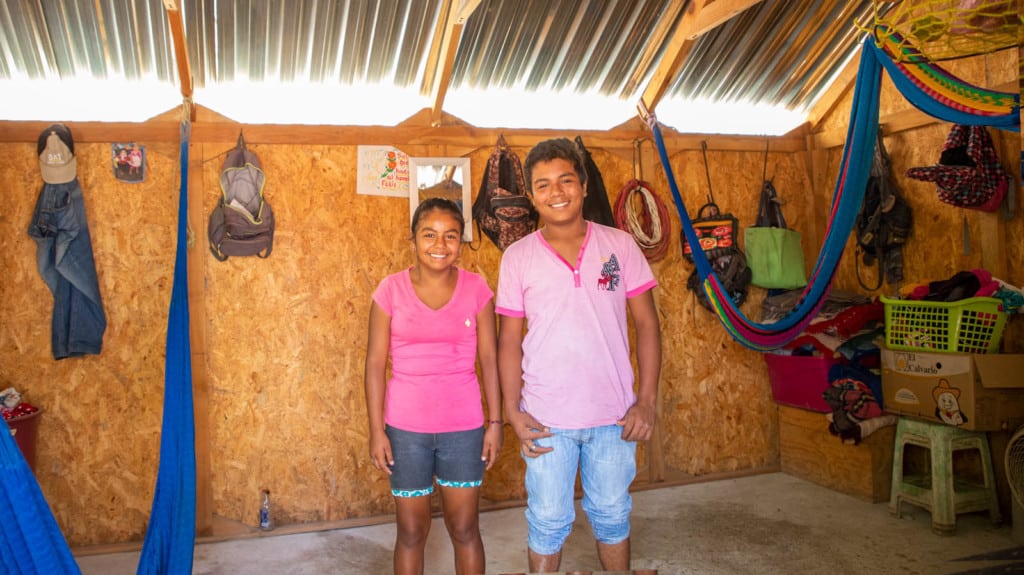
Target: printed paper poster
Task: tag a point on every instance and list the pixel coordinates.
(383, 171)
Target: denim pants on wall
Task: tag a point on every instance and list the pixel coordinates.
(64, 254)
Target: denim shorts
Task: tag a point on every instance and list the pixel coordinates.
(607, 466)
(453, 457)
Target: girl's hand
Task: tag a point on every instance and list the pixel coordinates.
(380, 452)
(493, 438)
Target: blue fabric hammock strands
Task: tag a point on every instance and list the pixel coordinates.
(854, 170)
(170, 536)
(31, 542)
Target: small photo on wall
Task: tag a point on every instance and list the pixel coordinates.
(129, 160)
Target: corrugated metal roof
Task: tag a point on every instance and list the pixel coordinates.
(778, 52)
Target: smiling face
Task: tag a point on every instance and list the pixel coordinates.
(558, 191)
(947, 402)
(437, 239)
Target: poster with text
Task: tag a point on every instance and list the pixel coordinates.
(383, 171)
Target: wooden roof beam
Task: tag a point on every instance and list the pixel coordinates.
(700, 17)
(181, 55)
(445, 45)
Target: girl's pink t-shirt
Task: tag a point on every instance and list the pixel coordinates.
(433, 386)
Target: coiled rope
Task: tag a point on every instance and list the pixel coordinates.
(636, 215)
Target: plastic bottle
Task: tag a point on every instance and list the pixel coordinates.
(266, 520)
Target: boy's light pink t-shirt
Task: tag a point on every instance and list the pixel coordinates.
(433, 386)
(576, 368)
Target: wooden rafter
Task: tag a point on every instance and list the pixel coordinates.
(700, 17)
(181, 54)
(441, 60)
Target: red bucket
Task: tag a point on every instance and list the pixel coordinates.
(25, 428)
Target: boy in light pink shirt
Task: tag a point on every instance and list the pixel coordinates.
(567, 384)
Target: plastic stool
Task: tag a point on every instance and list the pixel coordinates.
(941, 493)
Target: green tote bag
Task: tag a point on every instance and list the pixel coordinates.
(774, 252)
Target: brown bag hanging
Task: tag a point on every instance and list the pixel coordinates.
(502, 210)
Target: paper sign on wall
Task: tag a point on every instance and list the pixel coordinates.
(383, 171)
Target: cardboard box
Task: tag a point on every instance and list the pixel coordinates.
(981, 392)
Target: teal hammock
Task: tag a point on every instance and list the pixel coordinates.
(929, 88)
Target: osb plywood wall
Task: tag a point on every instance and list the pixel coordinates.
(99, 434)
(285, 337)
(291, 417)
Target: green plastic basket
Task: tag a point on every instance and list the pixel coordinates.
(972, 325)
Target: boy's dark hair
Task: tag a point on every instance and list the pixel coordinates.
(437, 203)
(553, 149)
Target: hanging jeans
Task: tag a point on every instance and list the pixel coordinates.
(64, 254)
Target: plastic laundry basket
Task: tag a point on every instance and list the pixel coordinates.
(972, 325)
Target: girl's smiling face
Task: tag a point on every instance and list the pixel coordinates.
(438, 239)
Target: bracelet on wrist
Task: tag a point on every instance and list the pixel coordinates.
(495, 422)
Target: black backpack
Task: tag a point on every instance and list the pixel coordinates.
(502, 210)
(733, 273)
(242, 224)
(596, 206)
(883, 224)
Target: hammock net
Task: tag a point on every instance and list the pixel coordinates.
(949, 29)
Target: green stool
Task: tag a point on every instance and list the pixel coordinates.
(942, 494)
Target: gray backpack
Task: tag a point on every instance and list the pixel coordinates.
(242, 224)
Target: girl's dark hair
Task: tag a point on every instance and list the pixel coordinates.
(445, 205)
(556, 148)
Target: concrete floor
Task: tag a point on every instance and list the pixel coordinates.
(765, 524)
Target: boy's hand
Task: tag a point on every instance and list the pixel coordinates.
(638, 423)
(528, 429)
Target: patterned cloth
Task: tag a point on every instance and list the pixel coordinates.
(968, 174)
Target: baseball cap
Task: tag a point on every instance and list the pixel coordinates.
(57, 162)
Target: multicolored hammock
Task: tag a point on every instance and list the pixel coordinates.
(929, 88)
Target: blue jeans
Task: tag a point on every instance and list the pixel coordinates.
(607, 466)
(64, 255)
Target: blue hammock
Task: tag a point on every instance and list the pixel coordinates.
(30, 539)
(171, 534)
(31, 542)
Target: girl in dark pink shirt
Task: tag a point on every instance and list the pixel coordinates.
(434, 320)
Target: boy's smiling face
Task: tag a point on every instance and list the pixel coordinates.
(557, 191)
